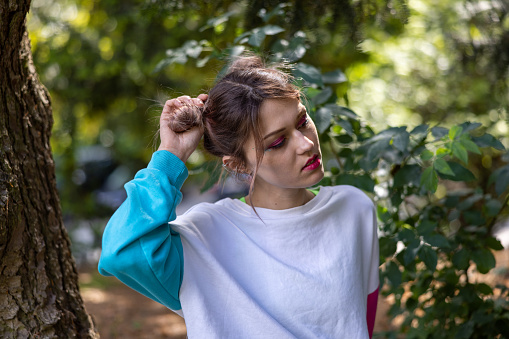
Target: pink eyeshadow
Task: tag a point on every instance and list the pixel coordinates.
(276, 142)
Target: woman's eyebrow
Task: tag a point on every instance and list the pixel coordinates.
(300, 113)
(274, 132)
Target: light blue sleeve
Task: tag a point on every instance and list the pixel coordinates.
(138, 246)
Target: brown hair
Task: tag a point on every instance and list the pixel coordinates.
(231, 112)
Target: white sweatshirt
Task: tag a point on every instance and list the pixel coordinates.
(304, 272)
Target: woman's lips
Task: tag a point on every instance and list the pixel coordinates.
(313, 163)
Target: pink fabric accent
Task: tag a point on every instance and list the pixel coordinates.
(371, 311)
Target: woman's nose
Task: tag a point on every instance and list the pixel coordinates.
(304, 143)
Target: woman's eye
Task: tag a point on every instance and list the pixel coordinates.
(276, 144)
(303, 122)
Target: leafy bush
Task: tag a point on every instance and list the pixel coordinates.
(437, 197)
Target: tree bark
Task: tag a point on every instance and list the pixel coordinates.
(39, 293)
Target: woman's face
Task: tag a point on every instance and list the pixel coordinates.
(292, 156)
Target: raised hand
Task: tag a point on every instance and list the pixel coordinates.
(180, 143)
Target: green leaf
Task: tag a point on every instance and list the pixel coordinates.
(334, 77)
(276, 11)
(465, 330)
(474, 217)
(484, 289)
(322, 97)
(460, 173)
(436, 240)
(203, 61)
(216, 21)
(426, 155)
(257, 37)
(420, 130)
(193, 48)
(442, 152)
(429, 256)
(469, 202)
(440, 165)
(272, 29)
(336, 129)
(484, 260)
(500, 177)
(377, 149)
(387, 246)
(344, 138)
(326, 181)
(401, 140)
(382, 213)
(459, 151)
(492, 207)
(296, 48)
(406, 235)
(426, 226)
(407, 175)
(380, 144)
(469, 126)
(469, 144)
(294, 52)
(364, 182)
(235, 50)
(393, 273)
(162, 64)
(461, 259)
(411, 303)
(429, 179)
(347, 126)
(214, 169)
(494, 243)
(439, 132)
(411, 251)
(343, 111)
(334, 170)
(455, 132)
(309, 73)
(242, 38)
(323, 117)
(368, 165)
(488, 140)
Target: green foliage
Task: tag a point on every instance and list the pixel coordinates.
(439, 189)
(436, 208)
(418, 59)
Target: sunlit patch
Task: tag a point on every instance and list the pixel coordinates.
(94, 295)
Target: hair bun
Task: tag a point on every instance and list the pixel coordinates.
(245, 62)
(185, 118)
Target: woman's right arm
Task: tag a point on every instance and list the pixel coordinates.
(139, 248)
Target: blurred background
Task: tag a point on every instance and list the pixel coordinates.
(110, 64)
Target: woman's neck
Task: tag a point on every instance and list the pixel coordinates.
(279, 198)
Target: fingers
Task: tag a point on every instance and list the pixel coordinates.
(183, 100)
(186, 100)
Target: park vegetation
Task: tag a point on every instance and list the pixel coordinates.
(440, 182)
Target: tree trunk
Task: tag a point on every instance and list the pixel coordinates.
(39, 294)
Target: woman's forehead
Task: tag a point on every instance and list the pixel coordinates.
(273, 110)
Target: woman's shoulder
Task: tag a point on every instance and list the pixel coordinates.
(350, 194)
(206, 210)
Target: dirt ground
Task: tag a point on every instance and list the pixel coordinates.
(120, 312)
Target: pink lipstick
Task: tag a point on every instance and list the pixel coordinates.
(312, 163)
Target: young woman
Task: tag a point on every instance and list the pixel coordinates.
(283, 262)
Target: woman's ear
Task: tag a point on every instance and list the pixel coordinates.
(234, 165)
